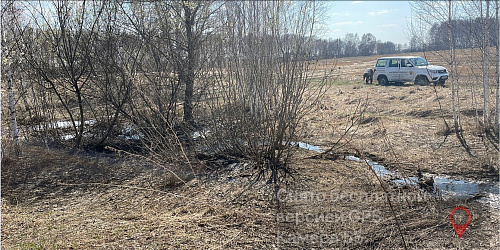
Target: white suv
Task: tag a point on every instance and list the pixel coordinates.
(408, 69)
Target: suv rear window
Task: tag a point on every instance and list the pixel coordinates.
(380, 63)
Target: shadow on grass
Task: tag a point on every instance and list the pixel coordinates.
(45, 174)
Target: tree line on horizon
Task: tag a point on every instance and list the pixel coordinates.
(353, 45)
(466, 35)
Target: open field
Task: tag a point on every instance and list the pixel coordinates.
(102, 200)
(405, 124)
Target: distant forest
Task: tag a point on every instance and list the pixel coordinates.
(467, 34)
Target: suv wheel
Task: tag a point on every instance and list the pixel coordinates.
(440, 83)
(382, 80)
(421, 80)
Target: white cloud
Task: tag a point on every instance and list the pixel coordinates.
(348, 23)
(388, 25)
(380, 12)
(340, 14)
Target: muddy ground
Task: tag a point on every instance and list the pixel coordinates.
(113, 201)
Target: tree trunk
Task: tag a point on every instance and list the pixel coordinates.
(485, 66)
(79, 134)
(455, 97)
(12, 107)
(497, 74)
(191, 64)
(453, 72)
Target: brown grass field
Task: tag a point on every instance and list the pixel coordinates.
(112, 201)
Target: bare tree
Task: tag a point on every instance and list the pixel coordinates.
(351, 44)
(455, 82)
(116, 58)
(12, 108)
(263, 83)
(485, 45)
(386, 48)
(367, 45)
(496, 126)
(64, 34)
(428, 13)
(175, 32)
(8, 60)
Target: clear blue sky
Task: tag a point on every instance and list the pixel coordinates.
(386, 20)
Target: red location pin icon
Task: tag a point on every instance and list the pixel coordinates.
(460, 229)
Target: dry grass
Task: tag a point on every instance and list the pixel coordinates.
(45, 204)
(424, 220)
(54, 200)
(404, 125)
(131, 207)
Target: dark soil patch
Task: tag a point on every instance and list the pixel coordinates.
(472, 112)
(421, 113)
(368, 120)
(44, 174)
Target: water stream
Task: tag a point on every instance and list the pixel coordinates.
(448, 187)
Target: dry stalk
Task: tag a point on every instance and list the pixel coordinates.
(398, 223)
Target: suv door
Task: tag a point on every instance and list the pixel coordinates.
(392, 73)
(405, 72)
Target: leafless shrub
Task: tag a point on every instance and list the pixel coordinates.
(263, 84)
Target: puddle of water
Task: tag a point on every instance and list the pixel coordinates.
(134, 137)
(63, 124)
(307, 146)
(68, 137)
(197, 135)
(449, 187)
(200, 134)
(464, 189)
(492, 200)
(127, 132)
(382, 171)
